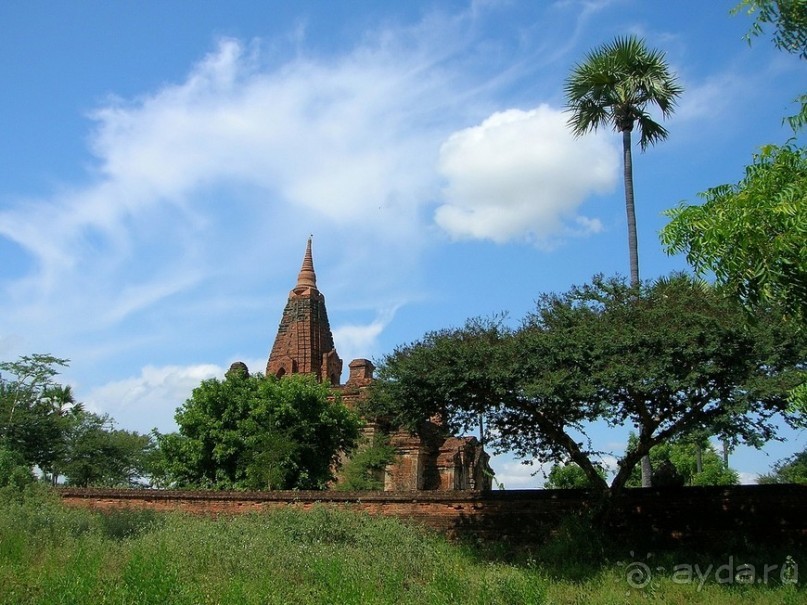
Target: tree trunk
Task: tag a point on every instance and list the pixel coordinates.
(630, 209)
(647, 471)
(633, 254)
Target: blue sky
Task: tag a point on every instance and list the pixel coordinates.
(162, 164)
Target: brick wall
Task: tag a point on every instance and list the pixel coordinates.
(766, 513)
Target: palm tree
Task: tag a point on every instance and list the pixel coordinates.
(615, 86)
(63, 406)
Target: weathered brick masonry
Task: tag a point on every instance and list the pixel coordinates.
(774, 514)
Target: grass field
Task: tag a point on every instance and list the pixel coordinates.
(51, 554)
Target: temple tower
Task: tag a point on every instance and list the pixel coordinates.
(304, 342)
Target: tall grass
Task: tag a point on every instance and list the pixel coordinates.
(52, 554)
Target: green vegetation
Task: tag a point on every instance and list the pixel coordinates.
(789, 470)
(98, 454)
(41, 425)
(788, 18)
(751, 235)
(616, 86)
(49, 554)
(52, 554)
(670, 358)
(256, 432)
(687, 461)
(683, 461)
(570, 476)
(364, 470)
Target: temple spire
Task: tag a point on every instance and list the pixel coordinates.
(307, 278)
(304, 342)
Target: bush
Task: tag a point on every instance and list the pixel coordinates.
(14, 473)
(364, 470)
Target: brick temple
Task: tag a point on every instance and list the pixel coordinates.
(432, 460)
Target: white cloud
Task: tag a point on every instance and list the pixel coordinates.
(746, 478)
(522, 175)
(710, 99)
(512, 474)
(201, 179)
(357, 341)
(150, 400)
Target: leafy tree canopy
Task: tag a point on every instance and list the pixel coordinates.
(97, 454)
(569, 476)
(616, 85)
(789, 470)
(31, 419)
(254, 432)
(752, 235)
(686, 455)
(14, 473)
(788, 18)
(42, 425)
(667, 358)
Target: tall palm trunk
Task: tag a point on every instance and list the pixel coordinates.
(630, 209)
(633, 252)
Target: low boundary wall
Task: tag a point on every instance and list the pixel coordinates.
(775, 514)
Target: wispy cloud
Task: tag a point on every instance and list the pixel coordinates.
(220, 165)
(354, 341)
(150, 399)
(206, 186)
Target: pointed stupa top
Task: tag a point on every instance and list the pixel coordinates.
(307, 278)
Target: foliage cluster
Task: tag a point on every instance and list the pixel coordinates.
(364, 470)
(670, 358)
(788, 18)
(751, 235)
(789, 470)
(691, 461)
(256, 432)
(41, 425)
(571, 476)
(684, 461)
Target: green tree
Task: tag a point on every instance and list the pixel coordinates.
(615, 87)
(98, 454)
(676, 358)
(695, 461)
(789, 470)
(752, 235)
(29, 423)
(789, 21)
(670, 358)
(14, 472)
(569, 476)
(450, 373)
(254, 432)
(63, 404)
(788, 18)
